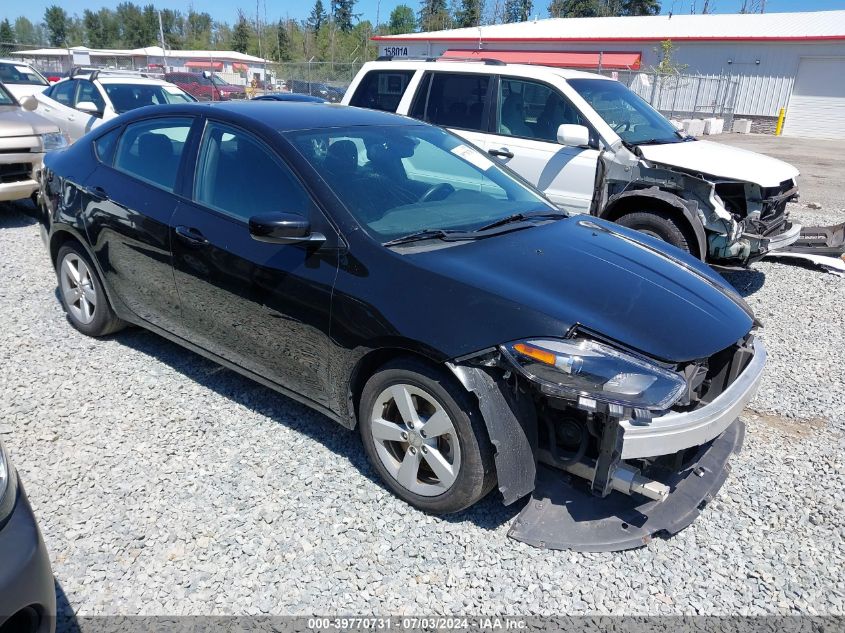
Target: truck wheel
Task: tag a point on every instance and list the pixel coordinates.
(425, 437)
(659, 224)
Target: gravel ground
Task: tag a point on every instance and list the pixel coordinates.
(165, 484)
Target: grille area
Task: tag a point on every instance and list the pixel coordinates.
(15, 172)
(709, 378)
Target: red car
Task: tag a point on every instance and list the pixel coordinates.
(205, 86)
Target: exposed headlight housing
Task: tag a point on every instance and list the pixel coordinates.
(8, 486)
(54, 140)
(580, 369)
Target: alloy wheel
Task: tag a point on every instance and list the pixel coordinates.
(415, 440)
(78, 288)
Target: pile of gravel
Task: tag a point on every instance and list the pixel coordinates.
(165, 484)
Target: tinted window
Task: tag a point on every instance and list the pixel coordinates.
(63, 92)
(88, 92)
(396, 180)
(421, 98)
(240, 176)
(105, 145)
(151, 150)
(530, 109)
(382, 89)
(125, 97)
(457, 101)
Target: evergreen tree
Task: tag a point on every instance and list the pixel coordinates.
(402, 20)
(469, 13)
(318, 17)
(518, 10)
(575, 8)
(25, 32)
(57, 23)
(198, 30)
(283, 45)
(640, 7)
(434, 15)
(7, 33)
(342, 14)
(241, 34)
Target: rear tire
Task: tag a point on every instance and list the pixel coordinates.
(658, 224)
(425, 436)
(81, 291)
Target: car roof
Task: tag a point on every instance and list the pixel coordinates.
(295, 115)
(478, 66)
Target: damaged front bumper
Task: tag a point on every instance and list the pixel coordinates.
(643, 478)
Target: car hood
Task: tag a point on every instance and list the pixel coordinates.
(22, 90)
(15, 121)
(599, 276)
(722, 161)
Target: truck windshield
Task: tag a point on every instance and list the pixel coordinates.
(634, 120)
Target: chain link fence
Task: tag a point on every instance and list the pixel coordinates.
(328, 80)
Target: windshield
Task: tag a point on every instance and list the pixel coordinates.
(399, 180)
(634, 120)
(21, 74)
(217, 81)
(125, 97)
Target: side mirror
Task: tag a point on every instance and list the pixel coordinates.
(28, 102)
(206, 74)
(89, 107)
(573, 135)
(283, 228)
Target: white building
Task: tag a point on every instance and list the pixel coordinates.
(232, 65)
(794, 61)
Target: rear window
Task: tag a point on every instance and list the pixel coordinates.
(382, 89)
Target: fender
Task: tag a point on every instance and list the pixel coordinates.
(511, 423)
(688, 209)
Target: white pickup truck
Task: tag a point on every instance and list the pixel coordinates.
(594, 146)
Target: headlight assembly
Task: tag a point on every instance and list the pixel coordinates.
(581, 368)
(53, 141)
(8, 486)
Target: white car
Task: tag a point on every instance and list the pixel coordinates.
(88, 98)
(21, 79)
(594, 146)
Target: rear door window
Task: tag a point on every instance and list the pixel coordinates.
(152, 150)
(382, 89)
(63, 92)
(458, 100)
(88, 92)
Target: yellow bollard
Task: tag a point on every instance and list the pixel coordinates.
(781, 117)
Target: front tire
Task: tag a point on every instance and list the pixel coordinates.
(82, 294)
(425, 437)
(659, 224)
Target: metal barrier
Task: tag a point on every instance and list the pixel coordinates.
(328, 80)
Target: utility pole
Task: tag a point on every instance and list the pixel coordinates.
(161, 39)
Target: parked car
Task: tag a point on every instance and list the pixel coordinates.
(289, 96)
(391, 276)
(88, 98)
(206, 86)
(317, 89)
(21, 79)
(27, 589)
(24, 139)
(594, 146)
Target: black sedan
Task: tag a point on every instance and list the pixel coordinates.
(27, 590)
(389, 275)
(289, 96)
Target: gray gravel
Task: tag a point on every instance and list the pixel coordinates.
(165, 484)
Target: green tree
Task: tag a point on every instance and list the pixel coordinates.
(402, 20)
(173, 26)
(575, 8)
(241, 34)
(518, 10)
(7, 33)
(469, 13)
(57, 24)
(198, 30)
(282, 51)
(640, 7)
(318, 17)
(434, 15)
(342, 14)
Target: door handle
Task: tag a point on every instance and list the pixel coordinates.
(97, 193)
(502, 152)
(191, 235)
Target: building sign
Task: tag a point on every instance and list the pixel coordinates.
(81, 58)
(395, 51)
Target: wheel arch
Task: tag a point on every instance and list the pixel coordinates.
(654, 198)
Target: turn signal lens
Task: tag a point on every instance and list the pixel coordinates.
(536, 353)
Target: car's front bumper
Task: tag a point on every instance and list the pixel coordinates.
(674, 432)
(782, 240)
(27, 589)
(25, 187)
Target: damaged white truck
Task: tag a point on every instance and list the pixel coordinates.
(594, 146)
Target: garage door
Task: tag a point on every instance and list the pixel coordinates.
(817, 106)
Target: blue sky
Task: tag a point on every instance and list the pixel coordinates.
(227, 9)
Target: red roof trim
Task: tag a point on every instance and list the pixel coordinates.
(741, 38)
(565, 59)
